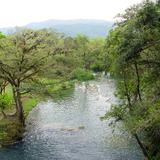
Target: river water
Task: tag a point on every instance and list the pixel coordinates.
(71, 129)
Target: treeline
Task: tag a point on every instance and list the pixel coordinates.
(133, 53)
(41, 62)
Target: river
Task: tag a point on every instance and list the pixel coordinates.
(71, 129)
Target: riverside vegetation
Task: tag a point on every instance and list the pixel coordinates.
(43, 63)
(133, 51)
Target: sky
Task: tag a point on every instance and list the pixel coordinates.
(22, 12)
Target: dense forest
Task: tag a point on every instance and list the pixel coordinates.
(38, 64)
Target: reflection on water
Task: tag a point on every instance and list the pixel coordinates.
(71, 129)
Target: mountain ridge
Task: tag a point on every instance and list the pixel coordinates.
(91, 28)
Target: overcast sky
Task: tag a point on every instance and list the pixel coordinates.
(21, 12)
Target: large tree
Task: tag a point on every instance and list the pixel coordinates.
(23, 56)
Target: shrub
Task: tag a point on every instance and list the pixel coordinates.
(5, 101)
(82, 75)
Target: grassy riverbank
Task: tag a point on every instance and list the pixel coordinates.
(10, 129)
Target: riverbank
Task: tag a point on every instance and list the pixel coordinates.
(11, 130)
(71, 128)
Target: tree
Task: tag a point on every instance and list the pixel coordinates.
(82, 42)
(23, 56)
(133, 51)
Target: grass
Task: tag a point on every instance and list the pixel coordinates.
(29, 104)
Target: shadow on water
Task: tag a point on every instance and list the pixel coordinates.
(71, 129)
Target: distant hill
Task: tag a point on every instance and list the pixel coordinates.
(92, 28)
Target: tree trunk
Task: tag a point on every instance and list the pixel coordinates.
(84, 59)
(138, 81)
(3, 87)
(144, 150)
(127, 91)
(18, 103)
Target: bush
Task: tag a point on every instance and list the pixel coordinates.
(82, 75)
(97, 67)
(5, 101)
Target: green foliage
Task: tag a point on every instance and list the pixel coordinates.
(26, 53)
(29, 104)
(5, 101)
(2, 35)
(97, 67)
(44, 88)
(82, 75)
(118, 112)
(132, 48)
(90, 53)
